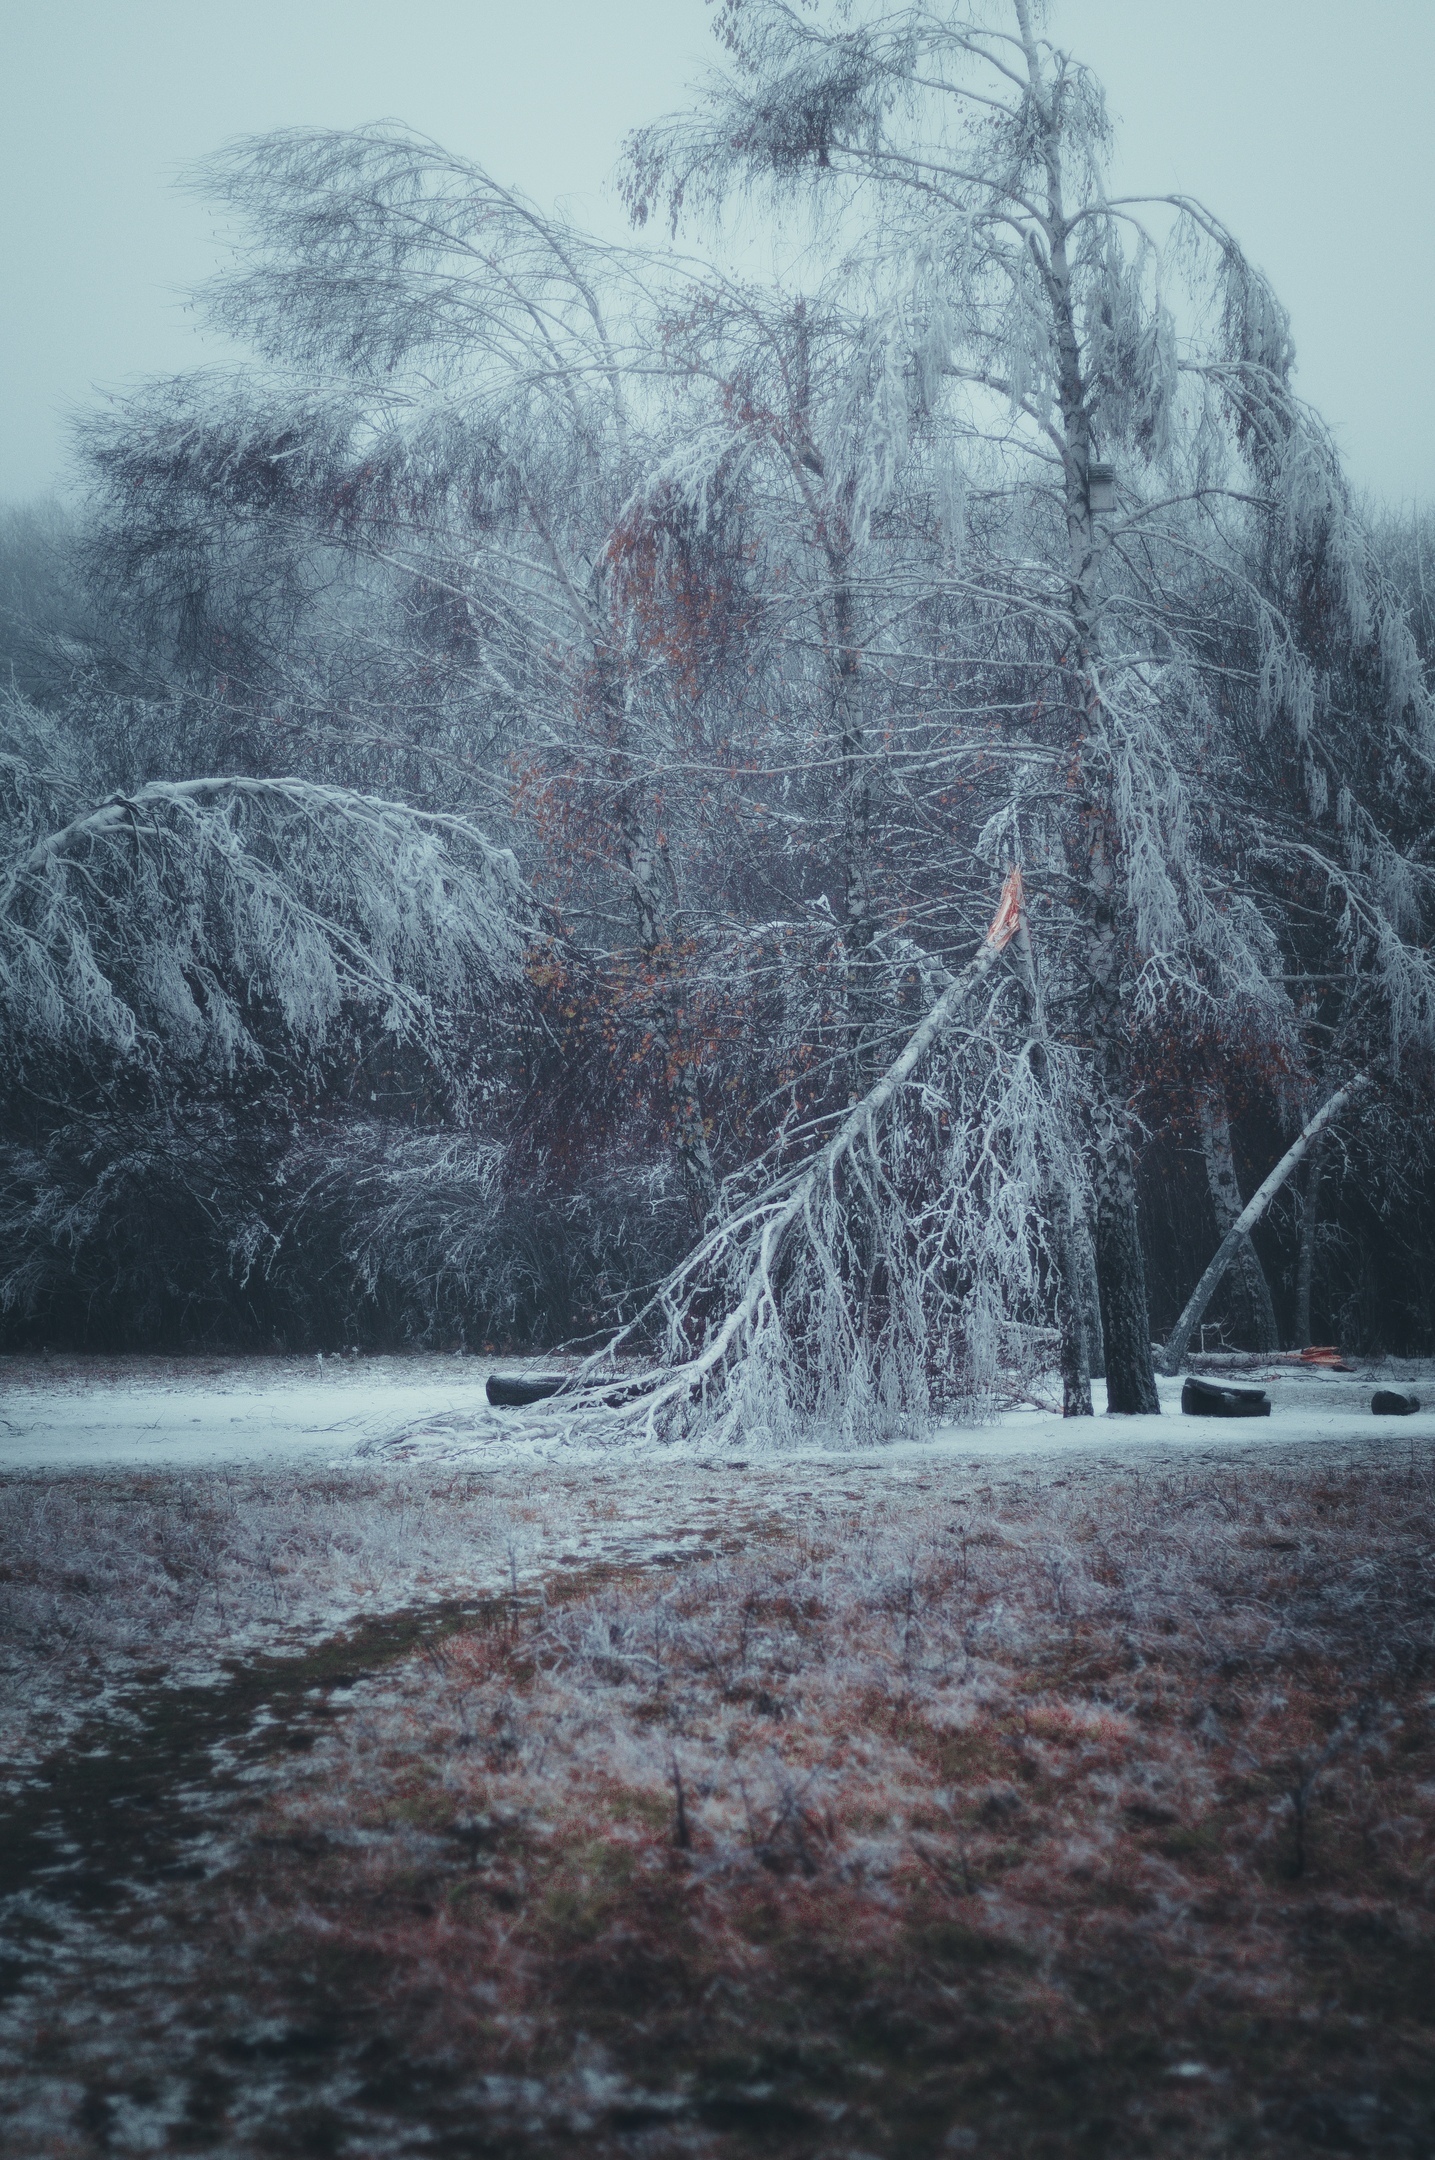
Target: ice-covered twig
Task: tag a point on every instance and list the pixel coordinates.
(192, 919)
(795, 1245)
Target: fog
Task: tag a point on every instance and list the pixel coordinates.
(1301, 122)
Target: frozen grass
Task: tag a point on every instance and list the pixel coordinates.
(104, 1578)
(944, 1809)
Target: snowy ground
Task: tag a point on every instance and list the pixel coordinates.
(181, 1513)
(76, 1415)
(382, 1775)
(177, 1414)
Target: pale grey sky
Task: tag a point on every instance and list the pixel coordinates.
(1304, 123)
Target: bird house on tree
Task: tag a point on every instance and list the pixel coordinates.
(1100, 488)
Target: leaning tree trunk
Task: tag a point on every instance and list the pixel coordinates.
(1248, 1276)
(1251, 1214)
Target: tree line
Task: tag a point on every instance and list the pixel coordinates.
(833, 821)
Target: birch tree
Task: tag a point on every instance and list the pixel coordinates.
(1060, 333)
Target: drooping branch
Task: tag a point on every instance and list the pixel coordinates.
(204, 921)
(837, 1240)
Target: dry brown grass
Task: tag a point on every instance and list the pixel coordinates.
(1079, 1817)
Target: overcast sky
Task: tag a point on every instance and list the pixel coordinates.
(1304, 123)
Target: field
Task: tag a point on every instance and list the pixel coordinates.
(1030, 1802)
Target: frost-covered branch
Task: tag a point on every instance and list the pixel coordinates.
(901, 1261)
(217, 923)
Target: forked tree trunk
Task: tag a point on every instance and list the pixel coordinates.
(1253, 1292)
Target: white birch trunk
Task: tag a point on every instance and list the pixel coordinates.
(1250, 1215)
(1254, 1291)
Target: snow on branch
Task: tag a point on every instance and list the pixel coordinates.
(897, 1270)
(1201, 940)
(220, 923)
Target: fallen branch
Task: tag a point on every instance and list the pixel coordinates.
(768, 1223)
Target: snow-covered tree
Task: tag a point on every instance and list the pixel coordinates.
(203, 931)
(1110, 382)
(450, 389)
(983, 558)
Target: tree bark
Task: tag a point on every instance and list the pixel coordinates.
(1121, 1274)
(859, 922)
(1071, 1307)
(1058, 1202)
(1121, 1279)
(1305, 1267)
(666, 1019)
(1257, 1315)
(667, 1025)
(1083, 1260)
(832, 530)
(1120, 1269)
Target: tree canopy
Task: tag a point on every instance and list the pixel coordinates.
(606, 696)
